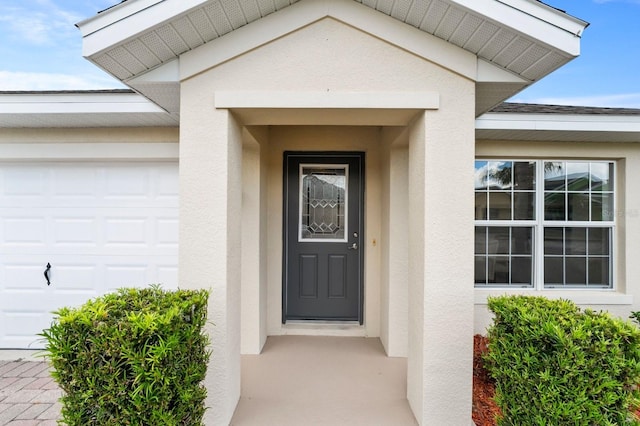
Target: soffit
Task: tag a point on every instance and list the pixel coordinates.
(524, 37)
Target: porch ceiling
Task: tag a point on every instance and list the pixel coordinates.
(524, 37)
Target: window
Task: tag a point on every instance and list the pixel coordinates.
(323, 202)
(544, 224)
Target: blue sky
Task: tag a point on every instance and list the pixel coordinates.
(40, 49)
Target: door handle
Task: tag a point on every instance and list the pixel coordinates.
(353, 246)
(46, 273)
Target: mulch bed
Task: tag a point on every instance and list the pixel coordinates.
(484, 409)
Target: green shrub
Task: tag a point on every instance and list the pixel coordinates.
(133, 357)
(557, 365)
(635, 316)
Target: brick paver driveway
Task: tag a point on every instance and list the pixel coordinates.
(28, 395)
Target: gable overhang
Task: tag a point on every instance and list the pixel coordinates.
(514, 43)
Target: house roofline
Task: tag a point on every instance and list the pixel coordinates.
(506, 117)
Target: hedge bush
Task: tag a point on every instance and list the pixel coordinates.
(557, 365)
(132, 357)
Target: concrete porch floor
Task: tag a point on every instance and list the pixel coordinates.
(315, 380)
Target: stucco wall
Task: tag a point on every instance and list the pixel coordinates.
(441, 146)
(210, 238)
(329, 56)
(624, 297)
(394, 263)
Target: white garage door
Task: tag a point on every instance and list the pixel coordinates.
(100, 226)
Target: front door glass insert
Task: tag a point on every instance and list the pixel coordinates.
(323, 202)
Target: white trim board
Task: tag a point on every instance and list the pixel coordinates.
(89, 151)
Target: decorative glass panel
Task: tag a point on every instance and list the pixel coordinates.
(323, 202)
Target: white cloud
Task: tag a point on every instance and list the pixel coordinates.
(10, 80)
(38, 24)
(622, 100)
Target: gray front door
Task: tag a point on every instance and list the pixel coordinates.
(323, 227)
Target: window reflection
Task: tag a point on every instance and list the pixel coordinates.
(505, 190)
(578, 191)
(575, 228)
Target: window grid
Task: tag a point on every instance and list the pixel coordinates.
(491, 256)
(567, 223)
(587, 256)
(538, 228)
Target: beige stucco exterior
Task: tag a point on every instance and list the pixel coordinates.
(338, 76)
(231, 204)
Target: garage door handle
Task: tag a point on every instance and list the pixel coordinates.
(46, 273)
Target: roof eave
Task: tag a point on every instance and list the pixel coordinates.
(558, 127)
(112, 38)
(120, 108)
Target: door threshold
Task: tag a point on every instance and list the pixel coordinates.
(324, 328)
(322, 322)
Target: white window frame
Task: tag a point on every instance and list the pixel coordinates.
(539, 224)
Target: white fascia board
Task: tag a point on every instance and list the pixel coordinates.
(532, 18)
(76, 103)
(559, 122)
(128, 19)
(327, 100)
(304, 13)
(549, 14)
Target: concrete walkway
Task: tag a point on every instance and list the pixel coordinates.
(28, 395)
(297, 380)
(321, 381)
